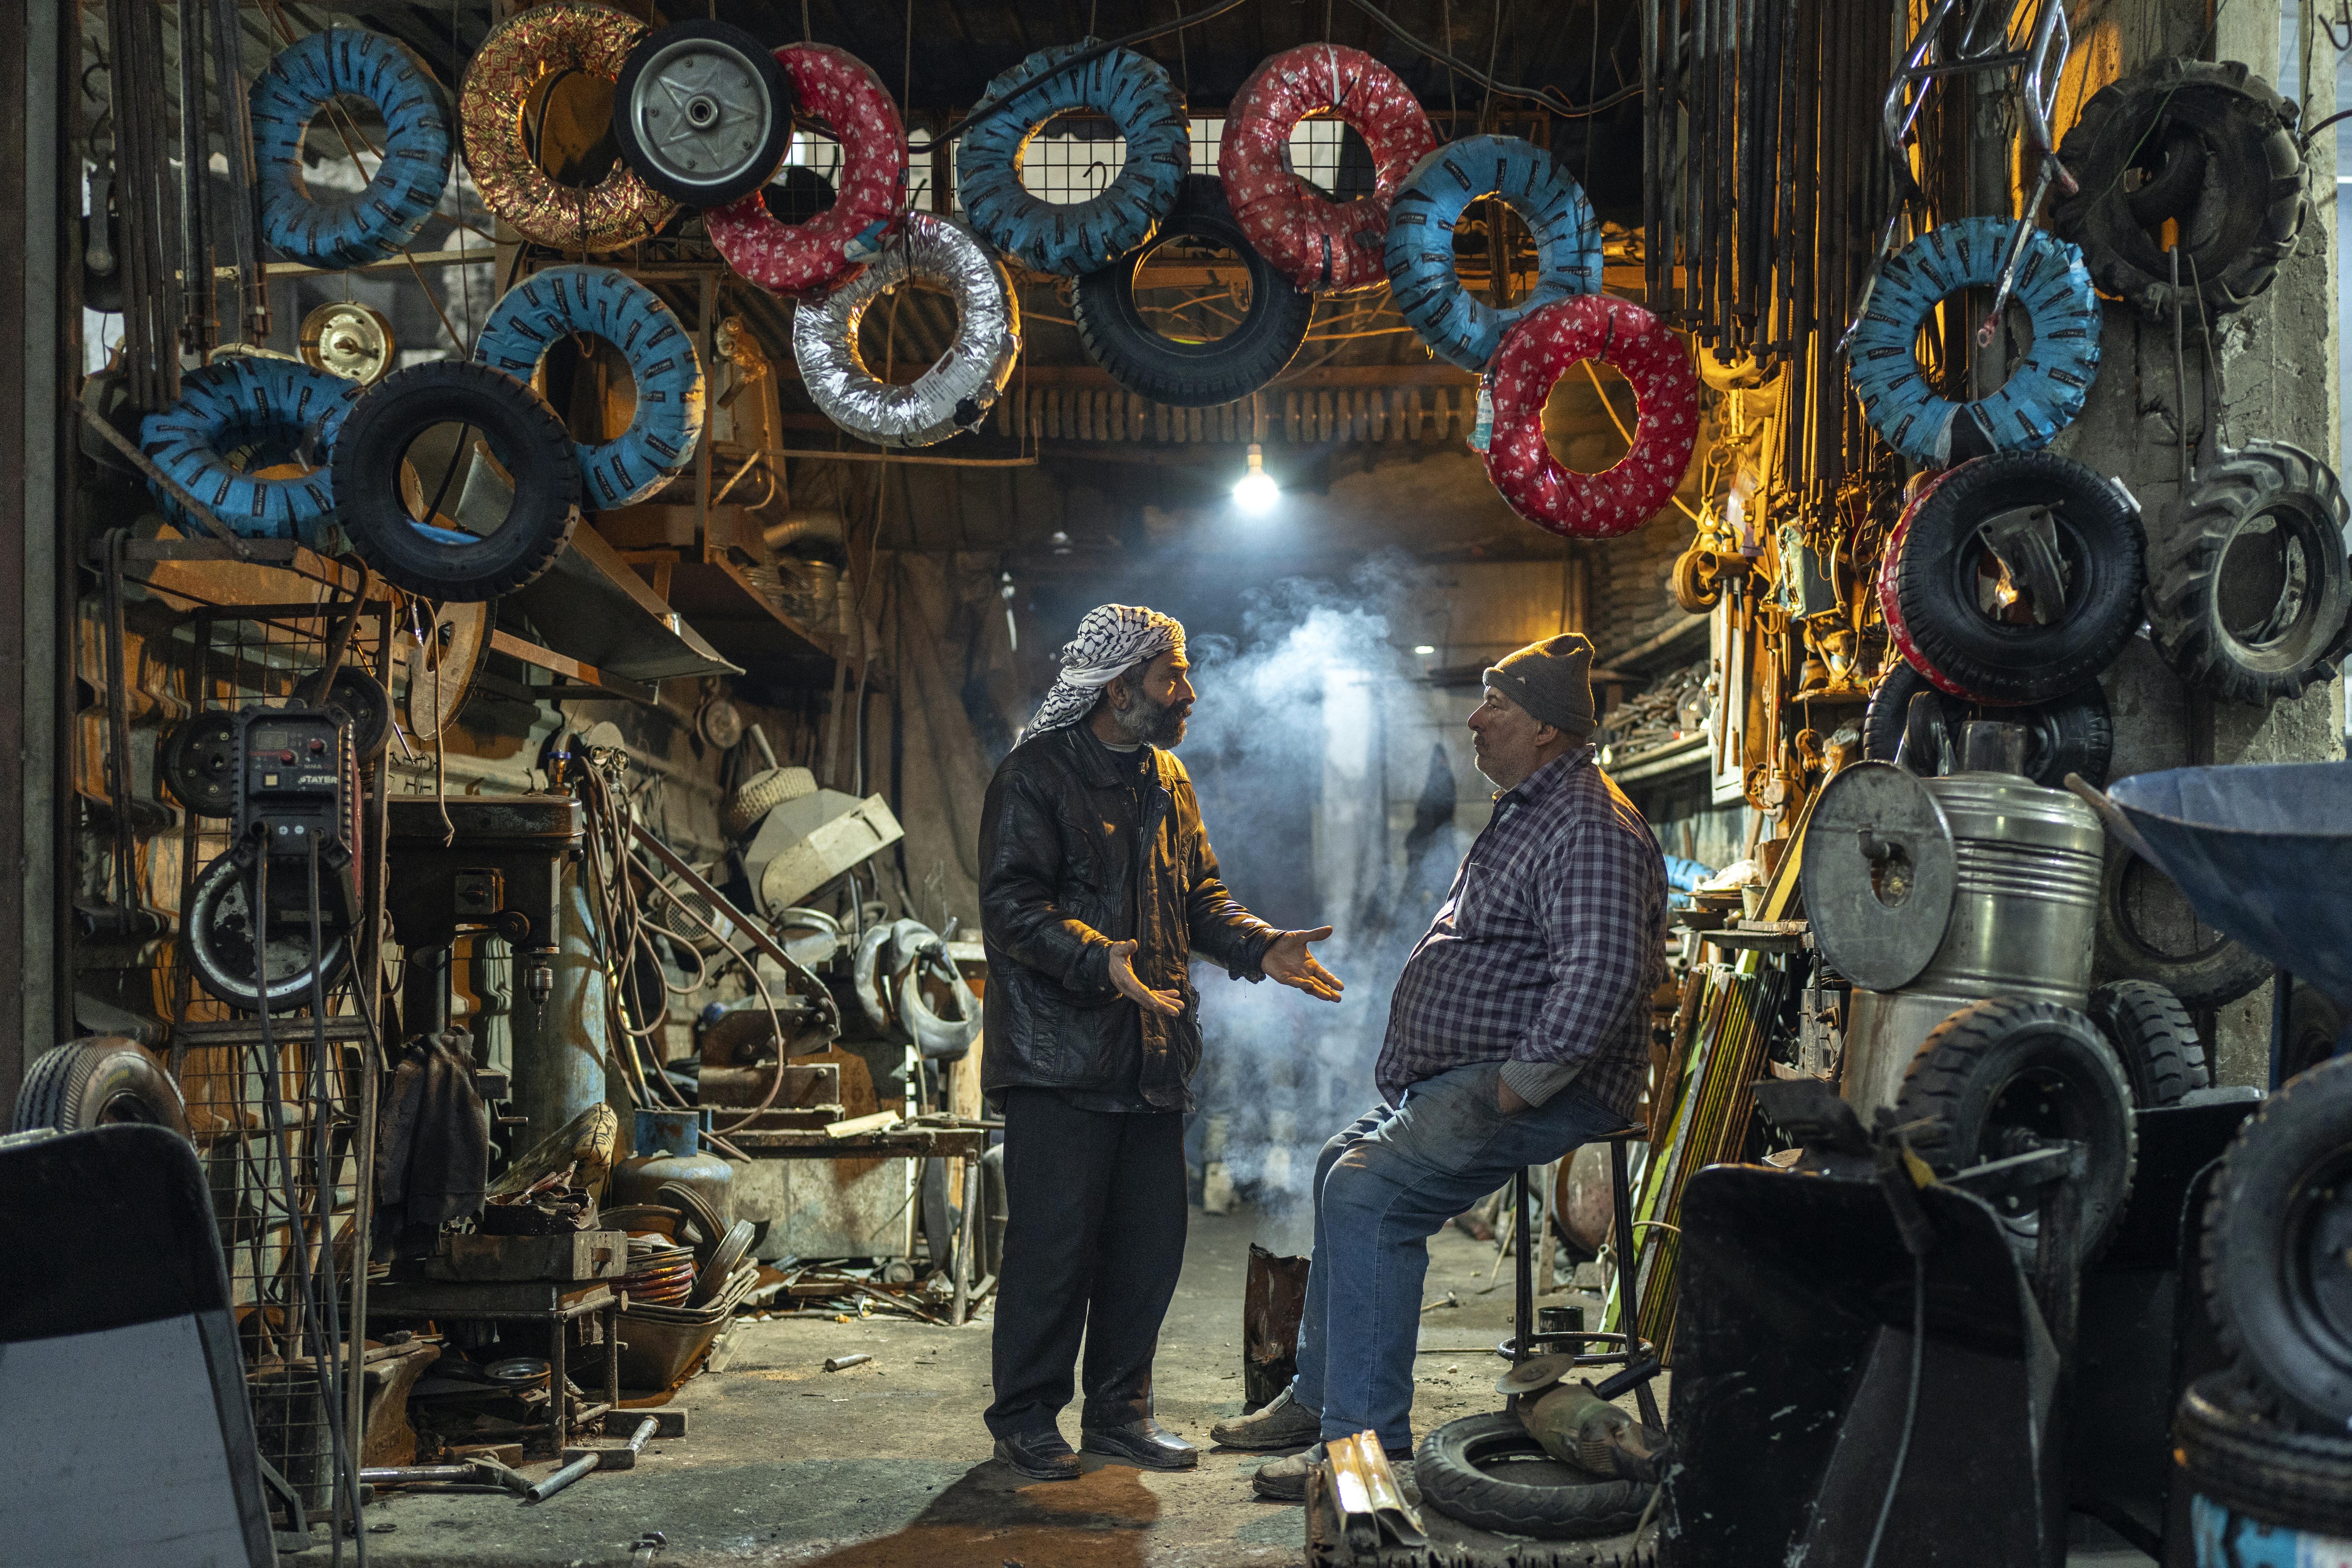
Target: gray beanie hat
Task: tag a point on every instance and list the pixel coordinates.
(1552, 679)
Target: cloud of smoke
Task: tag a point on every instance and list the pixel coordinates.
(1311, 746)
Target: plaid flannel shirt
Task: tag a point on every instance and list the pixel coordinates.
(1545, 950)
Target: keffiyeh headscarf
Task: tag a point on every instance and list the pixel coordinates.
(1111, 640)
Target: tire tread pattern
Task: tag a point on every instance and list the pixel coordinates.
(2232, 1452)
(2154, 1039)
(1451, 1482)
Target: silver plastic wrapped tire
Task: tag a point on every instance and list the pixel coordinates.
(958, 391)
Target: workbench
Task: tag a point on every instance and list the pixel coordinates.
(556, 1303)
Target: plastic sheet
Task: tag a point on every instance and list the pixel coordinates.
(956, 391)
(560, 35)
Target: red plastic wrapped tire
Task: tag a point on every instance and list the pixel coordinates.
(1324, 247)
(1536, 353)
(843, 92)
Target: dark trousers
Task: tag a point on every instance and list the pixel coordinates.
(1094, 1238)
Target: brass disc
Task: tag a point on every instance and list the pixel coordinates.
(349, 340)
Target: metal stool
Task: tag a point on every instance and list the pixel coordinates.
(1636, 1355)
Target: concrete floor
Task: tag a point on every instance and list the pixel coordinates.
(886, 1465)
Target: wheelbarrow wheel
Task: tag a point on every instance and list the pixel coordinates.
(2234, 1453)
(1464, 1468)
(2277, 1279)
(97, 1083)
(2006, 1077)
(2153, 1038)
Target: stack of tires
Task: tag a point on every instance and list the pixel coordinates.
(2265, 1446)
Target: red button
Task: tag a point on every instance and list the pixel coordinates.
(285, 756)
(318, 746)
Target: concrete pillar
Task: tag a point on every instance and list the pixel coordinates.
(560, 1047)
(2278, 359)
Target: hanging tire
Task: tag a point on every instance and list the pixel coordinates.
(523, 435)
(2242, 630)
(2044, 390)
(703, 114)
(1462, 1468)
(1540, 349)
(2005, 1077)
(357, 698)
(2238, 225)
(2146, 931)
(2277, 1279)
(1120, 341)
(277, 412)
(2153, 1039)
(2232, 1451)
(1135, 93)
(348, 229)
(1325, 246)
(1419, 254)
(1930, 591)
(2074, 733)
(517, 58)
(98, 1083)
(956, 394)
(841, 93)
(548, 306)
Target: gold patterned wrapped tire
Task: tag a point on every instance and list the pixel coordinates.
(520, 53)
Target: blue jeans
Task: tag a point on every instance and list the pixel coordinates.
(1382, 1188)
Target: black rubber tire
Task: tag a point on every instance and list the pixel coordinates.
(2249, 207)
(758, 167)
(97, 1083)
(1192, 375)
(2202, 978)
(1967, 1072)
(358, 696)
(2277, 1281)
(1936, 580)
(2153, 1038)
(2174, 187)
(2313, 1024)
(2230, 1451)
(2072, 733)
(2266, 487)
(1453, 1481)
(528, 441)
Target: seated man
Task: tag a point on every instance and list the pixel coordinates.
(1519, 1029)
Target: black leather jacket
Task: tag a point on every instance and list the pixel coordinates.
(1068, 865)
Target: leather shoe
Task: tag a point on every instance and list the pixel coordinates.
(1285, 1480)
(1041, 1455)
(1284, 1424)
(1146, 1443)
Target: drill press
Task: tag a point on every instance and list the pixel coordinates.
(477, 863)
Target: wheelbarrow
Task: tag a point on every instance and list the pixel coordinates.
(2264, 854)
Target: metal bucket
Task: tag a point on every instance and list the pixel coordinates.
(2025, 910)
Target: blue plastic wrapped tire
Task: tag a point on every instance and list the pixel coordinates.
(1137, 97)
(660, 439)
(1458, 326)
(269, 413)
(2044, 390)
(338, 228)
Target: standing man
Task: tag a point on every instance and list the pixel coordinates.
(1519, 1029)
(1096, 886)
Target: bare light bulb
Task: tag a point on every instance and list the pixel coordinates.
(1255, 490)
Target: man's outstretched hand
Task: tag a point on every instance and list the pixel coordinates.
(1289, 962)
(1167, 1003)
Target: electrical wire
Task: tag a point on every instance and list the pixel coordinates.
(1910, 1403)
(1552, 100)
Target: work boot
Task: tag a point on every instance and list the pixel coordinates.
(1285, 1480)
(1281, 1425)
(1146, 1443)
(1041, 1455)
